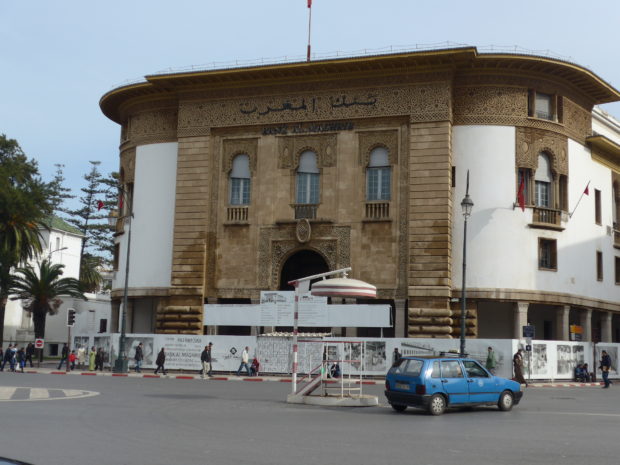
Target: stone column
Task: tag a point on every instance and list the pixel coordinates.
(400, 329)
(586, 324)
(606, 327)
(520, 318)
(561, 323)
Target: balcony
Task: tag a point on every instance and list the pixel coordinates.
(305, 210)
(377, 211)
(237, 214)
(546, 218)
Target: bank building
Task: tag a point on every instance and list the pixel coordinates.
(242, 179)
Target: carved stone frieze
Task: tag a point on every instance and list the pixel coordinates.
(427, 102)
(291, 147)
(368, 140)
(152, 126)
(403, 221)
(530, 142)
(128, 165)
(490, 101)
(577, 120)
(234, 147)
(277, 243)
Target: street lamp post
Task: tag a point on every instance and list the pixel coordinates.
(120, 365)
(466, 204)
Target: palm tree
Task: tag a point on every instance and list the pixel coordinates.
(40, 291)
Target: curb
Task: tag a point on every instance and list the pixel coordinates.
(280, 379)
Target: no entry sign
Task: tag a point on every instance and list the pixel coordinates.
(38, 343)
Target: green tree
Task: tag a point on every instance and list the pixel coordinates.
(90, 278)
(60, 193)
(24, 206)
(40, 290)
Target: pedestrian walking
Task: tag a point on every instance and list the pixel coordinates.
(29, 353)
(245, 357)
(99, 359)
(517, 362)
(63, 355)
(91, 358)
(605, 367)
(7, 357)
(160, 361)
(139, 356)
(205, 359)
(491, 362)
(20, 359)
(396, 356)
(81, 357)
(72, 359)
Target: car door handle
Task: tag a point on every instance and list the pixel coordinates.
(444, 380)
(470, 380)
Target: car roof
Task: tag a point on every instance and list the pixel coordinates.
(436, 357)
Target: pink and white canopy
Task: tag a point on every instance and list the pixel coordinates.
(344, 287)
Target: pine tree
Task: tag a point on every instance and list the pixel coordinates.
(60, 193)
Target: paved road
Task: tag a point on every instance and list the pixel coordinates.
(187, 422)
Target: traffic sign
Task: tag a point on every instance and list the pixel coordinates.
(38, 343)
(528, 348)
(529, 331)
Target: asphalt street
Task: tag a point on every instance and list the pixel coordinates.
(109, 421)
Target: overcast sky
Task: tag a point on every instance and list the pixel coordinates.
(57, 58)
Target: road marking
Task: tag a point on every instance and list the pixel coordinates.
(39, 393)
(34, 394)
(580, 414)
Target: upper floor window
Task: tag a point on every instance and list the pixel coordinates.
(544, 106)
(543, 182)
(240, 180)
(307, 185)
(378, 175)
(597, 207)
(547, 254)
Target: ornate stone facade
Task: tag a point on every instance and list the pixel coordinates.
(530, 142)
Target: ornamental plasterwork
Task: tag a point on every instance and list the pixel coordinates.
(234, 147)
(530, 142)
(152, 126)
(368, 140)
(577, 120)
(490, 100)
(403, 222)
(128, 164)
(291, 147)
(277, 243)
(426, 102)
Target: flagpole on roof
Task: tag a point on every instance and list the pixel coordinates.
(586, 191)
(309, 26)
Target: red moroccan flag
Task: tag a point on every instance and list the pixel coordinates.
(120, 202)
(100, 205)
(587, 189)
(521, 194)
(309, 3)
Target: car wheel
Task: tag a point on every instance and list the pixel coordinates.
(399, 407)
(437, 405)
(506, 401)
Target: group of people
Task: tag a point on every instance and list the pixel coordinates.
(583, 373)
(16, 357)
(251, 369)
(95, 356)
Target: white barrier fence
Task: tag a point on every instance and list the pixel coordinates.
(547, 360)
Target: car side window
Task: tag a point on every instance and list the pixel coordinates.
(474, 370)
(451, 369)
(435, 370)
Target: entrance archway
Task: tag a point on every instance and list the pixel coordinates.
(299, 265)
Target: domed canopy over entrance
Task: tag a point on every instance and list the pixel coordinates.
(301, 264)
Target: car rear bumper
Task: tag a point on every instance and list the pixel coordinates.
(405, 398)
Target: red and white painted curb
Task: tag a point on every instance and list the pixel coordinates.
(254, 379)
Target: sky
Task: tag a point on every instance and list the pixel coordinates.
(57, 58)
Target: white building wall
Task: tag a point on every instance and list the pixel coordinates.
(502, 250)
(153, 220)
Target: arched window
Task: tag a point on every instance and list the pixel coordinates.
(378, 175)
(307, 189)
(240, 181)
(543, 182)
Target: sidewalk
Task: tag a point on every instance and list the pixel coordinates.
(148, 373)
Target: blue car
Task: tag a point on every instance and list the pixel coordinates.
(437, 383)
